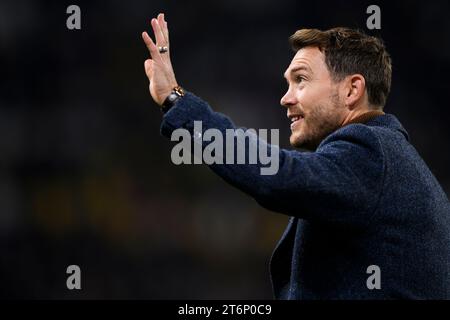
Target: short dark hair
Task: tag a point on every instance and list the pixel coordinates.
(349, 51)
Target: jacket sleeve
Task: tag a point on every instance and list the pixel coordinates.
(340, 182)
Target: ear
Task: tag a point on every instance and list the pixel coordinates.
(354, 90)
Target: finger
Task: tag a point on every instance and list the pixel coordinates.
(158, 33)
(154, 52)
(163, 24)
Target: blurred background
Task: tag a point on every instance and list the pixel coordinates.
(86, 179)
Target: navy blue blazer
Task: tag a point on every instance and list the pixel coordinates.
(365, 197)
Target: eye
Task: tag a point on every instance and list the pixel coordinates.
(299, 79)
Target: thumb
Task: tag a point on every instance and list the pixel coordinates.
(148, 66)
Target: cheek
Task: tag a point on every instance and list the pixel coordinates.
(317, 90)
(320, 107)
(305, 96)
(311, 96)
(317, 118)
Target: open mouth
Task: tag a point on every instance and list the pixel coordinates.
(296, 120)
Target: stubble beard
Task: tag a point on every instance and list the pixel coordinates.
(319, 123)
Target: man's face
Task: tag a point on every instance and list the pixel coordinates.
(312, 100)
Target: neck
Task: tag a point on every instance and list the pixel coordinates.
(360, 116)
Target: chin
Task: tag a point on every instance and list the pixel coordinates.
(297, 141)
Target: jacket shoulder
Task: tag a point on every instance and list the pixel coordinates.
(357, 135)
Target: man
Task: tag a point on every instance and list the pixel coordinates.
(368, 220)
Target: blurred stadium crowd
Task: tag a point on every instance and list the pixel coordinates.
(86, 179)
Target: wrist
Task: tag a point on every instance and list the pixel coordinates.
(176, 94)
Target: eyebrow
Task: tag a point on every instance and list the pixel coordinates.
(298, 68)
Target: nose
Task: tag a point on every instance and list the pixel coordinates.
(288, 99)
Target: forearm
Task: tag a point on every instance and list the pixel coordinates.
(189, 109)
(241, 158)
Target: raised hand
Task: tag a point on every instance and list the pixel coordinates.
(159, 68)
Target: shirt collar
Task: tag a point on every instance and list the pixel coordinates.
(363, 118)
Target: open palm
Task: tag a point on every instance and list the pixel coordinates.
(159, 68)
